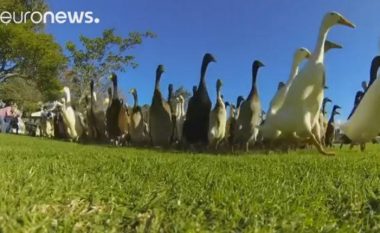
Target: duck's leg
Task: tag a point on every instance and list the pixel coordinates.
(247, 147)
(319, 147)
(217, 143)
(362, 147)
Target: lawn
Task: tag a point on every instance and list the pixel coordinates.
(53, 186)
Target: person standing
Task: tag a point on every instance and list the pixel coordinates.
(6, 115)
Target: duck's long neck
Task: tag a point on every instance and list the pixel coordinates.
(93, 94)
(218, 94)
(332, 117)
(178, 109)
(373, 73)
(157, 83)
(202, 81)
(136, 99)
(115, 91)
(170, 94)
(195, 88)
(293, 71)
(68, 97)
(232, 111)
(254, 78)
(110, 95)
(324, 108)
(319, 51)
(183, 113)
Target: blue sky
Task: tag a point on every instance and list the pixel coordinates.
(236, 32)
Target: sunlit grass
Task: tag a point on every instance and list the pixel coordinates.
(49, 186)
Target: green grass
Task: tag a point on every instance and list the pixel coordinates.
(52, 186)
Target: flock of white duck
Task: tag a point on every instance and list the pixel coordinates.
(296, 116)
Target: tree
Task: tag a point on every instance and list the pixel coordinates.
(98, 57)
(27, 52)
(22, 91)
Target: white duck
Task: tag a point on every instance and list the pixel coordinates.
(277, 101)
(180, 116)
(266, 130)
(218, 119)
(300, 54)
(364, 124)
(46, 123)
(231, 116)
(297, 117)
(74, 128)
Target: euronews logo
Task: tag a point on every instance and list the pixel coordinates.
(60, 17)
